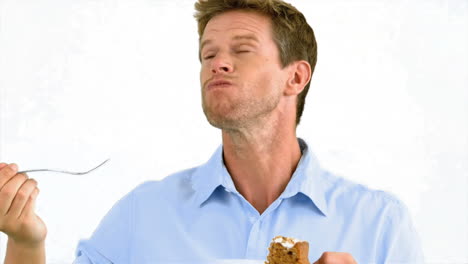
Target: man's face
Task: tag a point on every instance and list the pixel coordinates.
(241, 75)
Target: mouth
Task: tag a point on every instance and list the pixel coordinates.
(215, 84)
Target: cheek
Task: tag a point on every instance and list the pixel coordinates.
(204, 75)
(264, 79)
(269, 84)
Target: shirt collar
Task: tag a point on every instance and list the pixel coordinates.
(208, 176)
(307, 178)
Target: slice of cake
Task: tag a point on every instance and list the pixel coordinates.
(285, 250)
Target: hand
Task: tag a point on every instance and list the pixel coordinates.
(335, 258)
(17, 199)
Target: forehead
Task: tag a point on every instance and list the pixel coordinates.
(238, 22)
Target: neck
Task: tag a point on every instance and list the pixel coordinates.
(261, 161)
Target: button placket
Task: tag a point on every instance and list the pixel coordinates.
(252, 244)
(256, 237)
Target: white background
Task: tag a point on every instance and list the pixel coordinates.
(86, 80)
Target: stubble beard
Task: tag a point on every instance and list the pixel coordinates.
(240, 114)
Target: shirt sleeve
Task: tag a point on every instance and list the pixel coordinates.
(400, 241)
(111, 241)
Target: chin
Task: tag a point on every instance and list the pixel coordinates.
(227, 116)
(218, 121)
(221, 121)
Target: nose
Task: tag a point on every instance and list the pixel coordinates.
(221, 64)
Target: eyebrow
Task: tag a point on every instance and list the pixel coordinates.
(246, 37)
(238, 37)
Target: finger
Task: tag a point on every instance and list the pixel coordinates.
(6, 173)
(326, 258)
(28, 210)
(21, 197)
(8, 192)
(2, 165)
(335, 258)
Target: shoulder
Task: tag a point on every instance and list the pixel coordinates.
(351, 197)
(170, 185)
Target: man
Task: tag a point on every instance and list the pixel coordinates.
(257, 59)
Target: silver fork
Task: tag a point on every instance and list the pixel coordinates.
(67, 172)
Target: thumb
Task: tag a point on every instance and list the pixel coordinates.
(319, 261)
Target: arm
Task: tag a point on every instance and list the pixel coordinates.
(400, 243)
(17, 253)
(111, 241)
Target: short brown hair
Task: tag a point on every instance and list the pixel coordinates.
(291, 32)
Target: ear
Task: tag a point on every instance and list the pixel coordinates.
(299, 76)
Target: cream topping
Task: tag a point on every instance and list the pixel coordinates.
(286, 242)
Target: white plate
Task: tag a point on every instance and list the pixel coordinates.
(223, 261)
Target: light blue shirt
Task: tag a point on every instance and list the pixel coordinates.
(198, 214)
